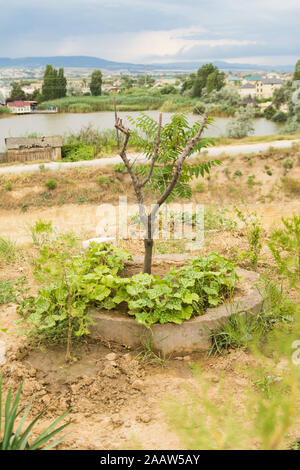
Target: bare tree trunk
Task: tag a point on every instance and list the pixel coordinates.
(116, 117)
(148, 243)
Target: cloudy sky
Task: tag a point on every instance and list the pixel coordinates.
(144, 31)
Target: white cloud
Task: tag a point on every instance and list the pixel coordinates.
(138, 46)
(141, 31)
(265, 60)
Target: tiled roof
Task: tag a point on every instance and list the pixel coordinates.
(247, 85)
(272, 81)
(18, 104)
(254, 78)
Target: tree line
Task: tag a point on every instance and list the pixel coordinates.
(54, 86)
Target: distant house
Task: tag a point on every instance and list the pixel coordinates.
(232, 80)
(266, 87)
(247, 90)
(19, 107)
(110, 88)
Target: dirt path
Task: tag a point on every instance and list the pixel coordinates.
(83, 219)
(214, 151)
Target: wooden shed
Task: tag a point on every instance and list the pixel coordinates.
(24, 149)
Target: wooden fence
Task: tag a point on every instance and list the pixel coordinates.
(28, 155)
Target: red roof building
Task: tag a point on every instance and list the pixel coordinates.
(19, 107)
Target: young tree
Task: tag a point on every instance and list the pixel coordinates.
(297, 71)
(279, 97)
(211, 82)
(54, 83)
(242, 123)
(285, 247)
(208, 77)
(49, 83)
(62, 84)
(96, 83)
(168, 173)
(17, 93)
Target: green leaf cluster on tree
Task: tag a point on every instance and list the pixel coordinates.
(54, 83)
(207, 79)
(168, 174)
(17, 93)
(96, 83)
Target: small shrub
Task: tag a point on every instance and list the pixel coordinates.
(217, 219)
(25, 206)
(51, 184)
(238, 173)
(285, 247)
(81, 199)
(291, 185)
(287, 164)
(120, 168)
(242, 124)
(7, 250)
(253, 228)
(251, 181)
(104, 181)
(8, 187)
(75, 152)
(280, 116)
(7, 294)
(200, 187)
(40, 231)
(46, 196)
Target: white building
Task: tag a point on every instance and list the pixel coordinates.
(266, 87)
(247, 90)
(19, 107)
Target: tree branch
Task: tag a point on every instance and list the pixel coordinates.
(155, 155)
(134, 177)
(189, 146)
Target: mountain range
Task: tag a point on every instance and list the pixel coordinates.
(95, 62)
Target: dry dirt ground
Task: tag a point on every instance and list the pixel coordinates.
(118, 401)
(116, 394)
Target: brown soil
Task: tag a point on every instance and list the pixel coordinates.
(229, 182)
(119, 404)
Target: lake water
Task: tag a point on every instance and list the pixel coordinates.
(53, 124)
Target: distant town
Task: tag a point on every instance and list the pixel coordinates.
(249, 86)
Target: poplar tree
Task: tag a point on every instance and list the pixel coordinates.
(17, 93)
(62, 84)
(297, 71)
(54, 83)
(96, 83)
